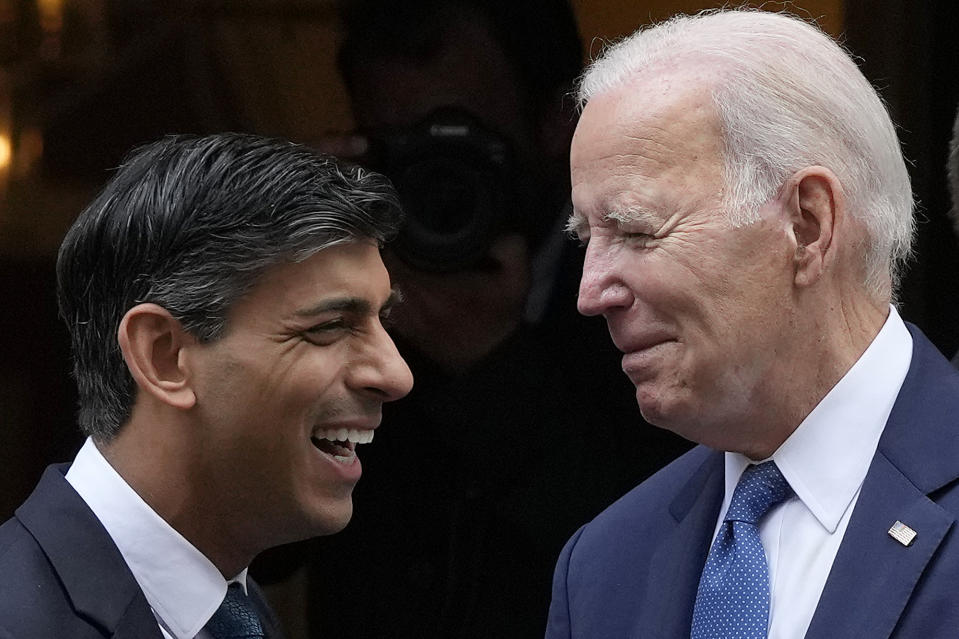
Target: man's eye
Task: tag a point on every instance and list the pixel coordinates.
(639, 238)
(327, 326)
(326, 332)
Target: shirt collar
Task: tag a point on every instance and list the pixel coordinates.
(182, 586)
(826, 458)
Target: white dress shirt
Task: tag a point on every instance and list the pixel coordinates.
(825, 461)
(181, 585)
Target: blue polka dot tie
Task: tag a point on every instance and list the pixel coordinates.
(235, 618)
(733, 596)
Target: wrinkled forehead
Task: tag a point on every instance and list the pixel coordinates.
(674, 110)
(663, 129)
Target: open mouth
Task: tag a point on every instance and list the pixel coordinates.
(340, 443)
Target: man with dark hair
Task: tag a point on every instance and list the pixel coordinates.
(224, 297)
(460, 517)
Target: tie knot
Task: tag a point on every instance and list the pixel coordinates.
(760, 488)
(236, 617)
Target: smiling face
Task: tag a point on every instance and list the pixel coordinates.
(305, 361)
(701, 310)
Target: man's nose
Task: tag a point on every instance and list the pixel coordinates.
(385, 372)
(600, 288)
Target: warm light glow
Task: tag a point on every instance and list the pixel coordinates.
(51, 13)
(29, 150)
(51, 23)
(6, 152)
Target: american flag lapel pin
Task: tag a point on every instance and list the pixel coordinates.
(902, 533)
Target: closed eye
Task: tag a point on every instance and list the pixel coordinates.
(641, 240)
(326, 333)
(332, 325)
(633, 218)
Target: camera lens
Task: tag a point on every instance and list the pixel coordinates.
(454, 179)
(452, 212)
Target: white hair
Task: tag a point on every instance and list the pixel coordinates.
(788, 96)
(952, 169)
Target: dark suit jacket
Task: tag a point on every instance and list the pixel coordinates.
(62, 577)
(634, 570)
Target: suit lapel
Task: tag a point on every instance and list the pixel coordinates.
(137, 622)
(271, 625)
(873, 575)
(96, 578)
(677, 564)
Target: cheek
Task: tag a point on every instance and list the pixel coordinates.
(655, 279)
(691, 293)
(292, 385)
(739, 292)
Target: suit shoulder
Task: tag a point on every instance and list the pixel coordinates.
(645, 505)
(611, 564)
(33, 601)
(20, 556)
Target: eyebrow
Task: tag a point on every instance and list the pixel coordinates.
(632, 214)
(356, 305)
(576, 224)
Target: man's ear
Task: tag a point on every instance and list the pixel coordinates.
(152, 341)
(815, 205)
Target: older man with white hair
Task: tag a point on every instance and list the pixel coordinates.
(746, 210)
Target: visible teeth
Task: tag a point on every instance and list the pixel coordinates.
(345, 459)
(355, 435)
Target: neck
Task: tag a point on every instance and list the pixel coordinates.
(833, 339)
(160, 467)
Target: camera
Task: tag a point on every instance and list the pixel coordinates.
(454, 178)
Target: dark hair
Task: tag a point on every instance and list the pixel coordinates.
(539, 37)
(190, 223)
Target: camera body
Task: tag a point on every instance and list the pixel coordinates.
(455, 181)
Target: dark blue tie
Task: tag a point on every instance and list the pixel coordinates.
(733, 596)
(235, 618)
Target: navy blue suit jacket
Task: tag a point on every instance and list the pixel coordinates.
(633, 571)
(62, 577)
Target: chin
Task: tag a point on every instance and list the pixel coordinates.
(665, 410)
(320, 521)
(332, 519)
(653, 405)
